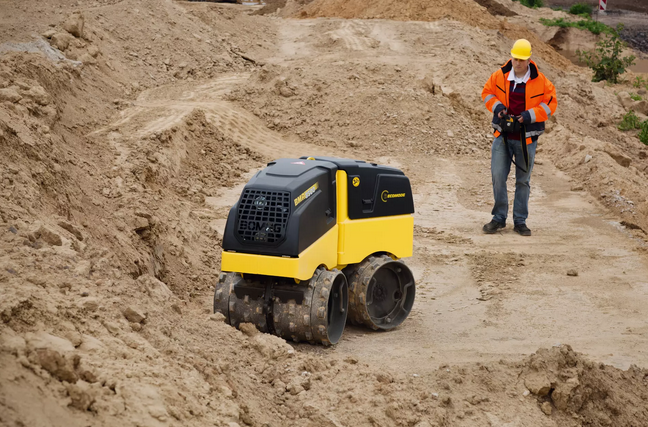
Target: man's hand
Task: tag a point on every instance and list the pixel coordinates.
(520, 119)
(501, 113)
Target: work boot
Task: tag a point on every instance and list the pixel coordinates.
(522, 229)
(493, 226)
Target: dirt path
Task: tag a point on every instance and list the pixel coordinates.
(490, 297)
(479, 297)
(483, 298)
(161, 108)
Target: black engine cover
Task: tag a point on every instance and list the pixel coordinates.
(284, 208)
(291, 203)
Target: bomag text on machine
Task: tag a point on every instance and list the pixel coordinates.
(314, 241)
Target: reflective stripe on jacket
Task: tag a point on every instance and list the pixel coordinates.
(540, 99)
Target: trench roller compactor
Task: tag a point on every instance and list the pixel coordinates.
(312, 241)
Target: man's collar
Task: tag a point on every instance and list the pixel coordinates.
(509, 67)
(527, 76)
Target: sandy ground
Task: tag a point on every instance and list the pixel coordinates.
(121, 157)
(458, 268)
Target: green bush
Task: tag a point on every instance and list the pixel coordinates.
(531, 3)
(606, 60)
(581, 9)
(635, 97)
(643, 135)
(629, 122)
(585, 24)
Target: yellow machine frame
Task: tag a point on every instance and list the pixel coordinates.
(348, 242)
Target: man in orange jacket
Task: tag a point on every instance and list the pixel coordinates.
(521, 99)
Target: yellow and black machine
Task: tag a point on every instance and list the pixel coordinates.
(315, 240)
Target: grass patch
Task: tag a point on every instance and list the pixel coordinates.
(584, 24)
(629, 122)
(581, 9)
(635, 97)
(639, 82)
(643, 135)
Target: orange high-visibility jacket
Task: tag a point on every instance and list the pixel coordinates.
(540, 99)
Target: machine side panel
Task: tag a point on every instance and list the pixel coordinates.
(360, 238)
(374, 190)
(363, 237)
(322, 252)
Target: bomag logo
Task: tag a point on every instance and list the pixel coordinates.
(260, 226)
(306, 194)
(385, 195)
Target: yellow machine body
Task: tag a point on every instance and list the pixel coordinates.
(348, 242)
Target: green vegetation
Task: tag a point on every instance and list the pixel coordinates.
(584, 11)
(581, 9)
(640, 82)
(635, 97)
(606, 60)
(643, 135)
(584, 24)
(531, 3)
(631, 122)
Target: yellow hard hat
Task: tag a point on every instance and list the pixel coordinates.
(521, 49)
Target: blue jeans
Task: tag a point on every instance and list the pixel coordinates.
(500, 168)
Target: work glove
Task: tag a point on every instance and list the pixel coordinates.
(526, 117)
(499, 110)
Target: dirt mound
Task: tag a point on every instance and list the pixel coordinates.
(467, 11)
(176, 157)
(112, 157)
(333, 112)
(593, 393)
(129, 350)
(410, 10)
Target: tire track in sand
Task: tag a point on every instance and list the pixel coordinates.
(352, 35)
(161, 108)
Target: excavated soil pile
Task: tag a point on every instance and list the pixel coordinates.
(467, 11)
(588, 392)
(412, 10)
(334, 112)
(112, 157)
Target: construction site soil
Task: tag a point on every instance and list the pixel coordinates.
(128, 128)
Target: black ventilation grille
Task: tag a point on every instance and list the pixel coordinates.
(263, 216)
